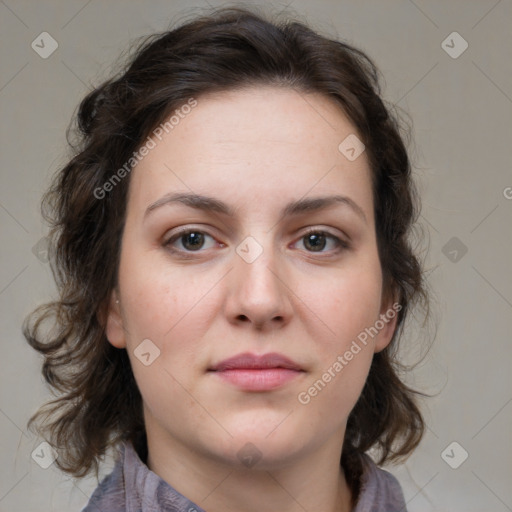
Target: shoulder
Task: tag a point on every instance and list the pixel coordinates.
(110, 494)
(380, 490)
(133, 486)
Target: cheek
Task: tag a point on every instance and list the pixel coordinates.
(343, 305)
(342, 310)
(158, 297)
(343, 365)
(169, 306)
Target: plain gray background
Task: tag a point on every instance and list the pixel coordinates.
(461, 109)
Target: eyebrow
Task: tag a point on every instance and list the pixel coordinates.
(294, 208)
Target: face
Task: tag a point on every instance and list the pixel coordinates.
(258, 268)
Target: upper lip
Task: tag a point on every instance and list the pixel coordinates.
(252, 361)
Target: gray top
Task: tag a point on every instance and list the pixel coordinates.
(133, 487)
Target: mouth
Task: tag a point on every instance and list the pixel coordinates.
(250, 372)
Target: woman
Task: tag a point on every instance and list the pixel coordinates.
(230, 246)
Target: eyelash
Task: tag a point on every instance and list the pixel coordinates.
(340, 243)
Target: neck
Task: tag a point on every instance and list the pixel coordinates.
(313, 481)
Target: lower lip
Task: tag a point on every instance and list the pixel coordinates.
(258, 379)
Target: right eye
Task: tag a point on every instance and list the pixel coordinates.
(190, 239)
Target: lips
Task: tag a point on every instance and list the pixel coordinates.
(248, 361)
(252, 373)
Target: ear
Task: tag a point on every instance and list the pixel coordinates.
(114, 327)
(389, 317)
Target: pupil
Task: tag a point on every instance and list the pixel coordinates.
(198, 239)
(316, 238)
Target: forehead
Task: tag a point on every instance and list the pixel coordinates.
(270, 115)
(253, 143)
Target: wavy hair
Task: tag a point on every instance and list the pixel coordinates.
(97, 403)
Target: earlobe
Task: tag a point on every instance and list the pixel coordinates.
(388, 322)
(114, 328)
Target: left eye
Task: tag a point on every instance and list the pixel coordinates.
(318, 240)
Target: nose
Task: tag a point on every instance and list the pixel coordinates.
(259, 293)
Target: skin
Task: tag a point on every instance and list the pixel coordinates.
(255, 149)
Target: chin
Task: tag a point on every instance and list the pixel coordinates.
(259, 446)
(262, 424)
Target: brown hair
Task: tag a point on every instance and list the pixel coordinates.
(99, 403)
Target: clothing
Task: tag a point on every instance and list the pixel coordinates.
(133, 487)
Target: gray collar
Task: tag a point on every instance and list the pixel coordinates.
(133, 487)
